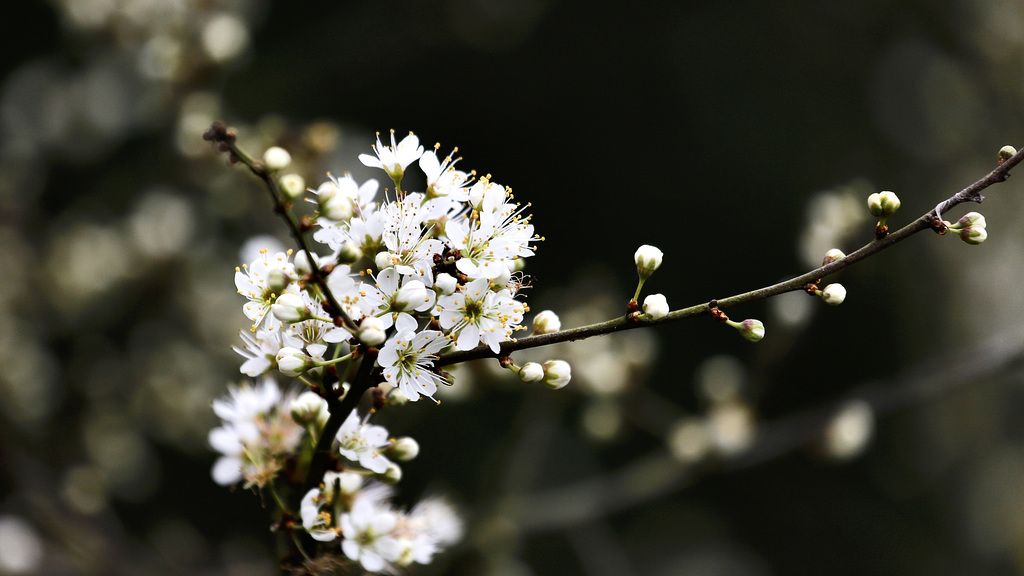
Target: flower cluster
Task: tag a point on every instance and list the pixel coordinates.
(404, 276)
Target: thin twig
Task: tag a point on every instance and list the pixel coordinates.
(971, 193)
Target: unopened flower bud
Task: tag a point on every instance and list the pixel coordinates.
(833, 255)
(292, 361)
(656, 306)
(973, 236)
(969, 220)
(557, 374)
(326, 191)
(1006, 152)
(446, 284)
(371, 331)
(393, 474)
(293, 185)
(546, 322)
(648, 259)
(384, 260)
(289, 307)
(349, 252)
(403, 449)
(276, 158)
(833, 294)
(396, 398)
(750, 329)
(338, 208)
(302, 264)
(277, 280)
(883, 204)
(531, 372)
(309, 408)
(409, 296)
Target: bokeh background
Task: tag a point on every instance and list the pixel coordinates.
(879, 437)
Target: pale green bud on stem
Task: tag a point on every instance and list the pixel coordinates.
(349, 252)
(403, 449)
(290, 308)
(277, 281)
(833, 294)
(309, 408)
(882, 205)
(292, 362)
(557, 374)
(648, 259)
(371, 331)
(752, 330)
(529, 372)
(392, 475)
(276, 158)
(1006, 152)
(546, 322)
(971, 228)
(293, 185)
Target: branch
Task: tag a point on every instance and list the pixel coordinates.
(927, 221)
(225, 139)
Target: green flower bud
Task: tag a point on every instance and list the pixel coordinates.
(546, 322)
(883, 204)
(557, 374)
(1006, 152)
(833, 294)
(403, 449)
(531, 372)
(276, 158)
(833, 255)
(752, 330)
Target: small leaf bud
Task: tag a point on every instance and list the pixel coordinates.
(883, 204)
(752, 330)
(648, 259)
(392, 475)
(656, 306)
(833, 294)
(277, 280)
(557, 374)
(404, 449)
(371, 331)
(1006, 152)
(293, 185)
(531, 372)
(546, 322)
(276, 158)
(289, 308)
(833, 255)
(292, 361)
(446, 284)
(309, 408)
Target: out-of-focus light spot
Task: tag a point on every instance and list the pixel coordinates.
(160, 58)
(21, 548)
(198, 111)
(792, 309)
(85, 489)
(225, 37)
(850, 430)
(115, 446)
(178, 541)
(161, 225)
(252, 247)
(89, 13)
(84, 261)
(28, 382)
(721, 378)
(731, 427)
(688, 440)
(602, 419)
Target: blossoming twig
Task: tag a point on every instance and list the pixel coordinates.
(971, 193)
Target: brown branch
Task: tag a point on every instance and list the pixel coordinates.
(971, 193)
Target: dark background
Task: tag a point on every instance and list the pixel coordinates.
(720, 132)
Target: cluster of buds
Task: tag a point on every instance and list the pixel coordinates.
(970, 228)
(882, 205)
